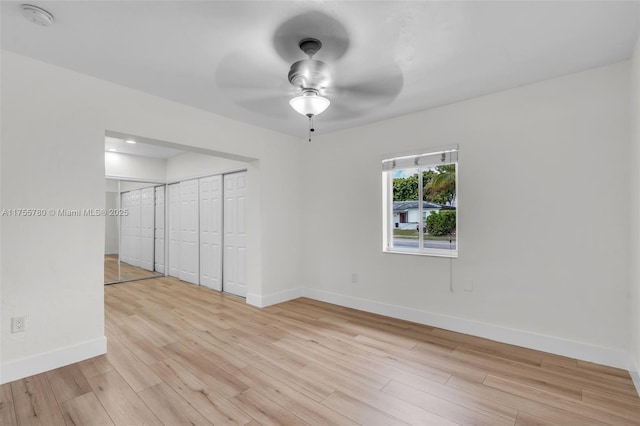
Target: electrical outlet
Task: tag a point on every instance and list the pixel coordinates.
(354, 277)
(18, 324)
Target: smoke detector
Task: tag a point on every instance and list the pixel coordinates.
(37, 15)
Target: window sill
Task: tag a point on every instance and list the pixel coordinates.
(432, 253)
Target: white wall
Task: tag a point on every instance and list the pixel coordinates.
(634, 231)
(52, 267)
(192, 165)
(135, 167)
(543, 223)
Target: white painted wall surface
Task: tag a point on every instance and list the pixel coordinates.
(533, 162)
(634, 231)
(52, 266)
(66, 150)
(135, 167)
(193, 165)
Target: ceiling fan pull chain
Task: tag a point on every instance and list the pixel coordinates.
(311, 129)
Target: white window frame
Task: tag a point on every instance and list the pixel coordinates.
(421, 161)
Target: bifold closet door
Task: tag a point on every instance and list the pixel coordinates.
(159, 230)
(134, 228)
(147, 231)
(235, 234)
(189, 235)
(124, 229)
(211, 232)
(174, 229)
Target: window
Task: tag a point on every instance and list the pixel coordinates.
(420, 197)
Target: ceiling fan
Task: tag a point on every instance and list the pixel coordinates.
(310, 77)
(346, 82)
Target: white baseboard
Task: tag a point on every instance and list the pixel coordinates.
(583, 351)
(272, 299)
(36, 364)
(635, 375)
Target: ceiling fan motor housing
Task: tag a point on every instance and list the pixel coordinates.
(309, 74)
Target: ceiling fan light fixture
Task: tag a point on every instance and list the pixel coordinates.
(309, 103)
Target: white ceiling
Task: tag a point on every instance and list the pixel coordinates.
(232, 58)
(113, 144)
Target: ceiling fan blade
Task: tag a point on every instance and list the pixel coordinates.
(313, 24)
(362, 96)
(253, 83)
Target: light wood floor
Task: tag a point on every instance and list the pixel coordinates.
(127, 272)
(184, 355)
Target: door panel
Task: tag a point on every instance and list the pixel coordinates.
(211, 232)
(189, 247)
(147, 219)
(235, 236)
(125, 224)
(159, 229)
(174, 230)
(134, 228)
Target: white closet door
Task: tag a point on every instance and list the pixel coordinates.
(235, 234)
(174, 230)
(159, 229)
(147, 219)
(134, 228)
(211, 232)
(189, 247)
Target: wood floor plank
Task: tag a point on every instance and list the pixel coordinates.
(297, 380)
(95, 366)
(139, 345)
(442, 407)
(593, 379)
(526, 419)
(216, 377)
(352, 371)
(264, 410)
(134, 371)
(522, 403)
(85, 410)
(122, 404)
(613, 403)
(68, 382)
(305, 408)
(170, 407)
(560, 402)
(364, 414)
(609, 371)
(468, 400)
(151, 331)
(213, 353)
(525, 373)
(209, 402)
(7, 409)
(34, 402)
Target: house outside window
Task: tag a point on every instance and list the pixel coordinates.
(420, 203)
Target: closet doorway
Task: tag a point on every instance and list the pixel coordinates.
(190, 225)
(207, 232)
